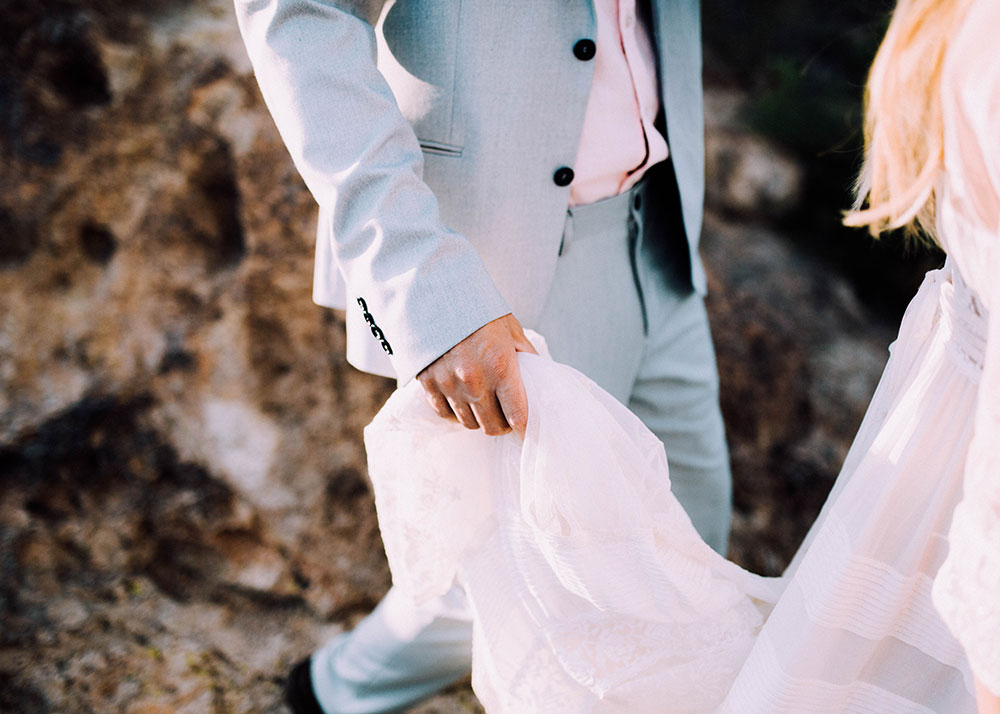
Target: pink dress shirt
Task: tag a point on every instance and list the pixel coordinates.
(619, 141)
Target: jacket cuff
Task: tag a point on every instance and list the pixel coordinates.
(432, 318)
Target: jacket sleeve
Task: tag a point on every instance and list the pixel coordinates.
(421, 286)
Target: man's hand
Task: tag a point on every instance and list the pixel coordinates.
(478, 381)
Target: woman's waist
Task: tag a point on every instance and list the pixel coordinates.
(963, 319)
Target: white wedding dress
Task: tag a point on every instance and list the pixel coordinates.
(591, 590)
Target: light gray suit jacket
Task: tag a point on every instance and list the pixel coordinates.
(430, 142)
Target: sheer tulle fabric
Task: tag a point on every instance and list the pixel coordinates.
(591, 590)
(856, 629)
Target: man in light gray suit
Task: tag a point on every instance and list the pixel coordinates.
(483, 165)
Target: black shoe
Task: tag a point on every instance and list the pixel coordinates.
(299, 694)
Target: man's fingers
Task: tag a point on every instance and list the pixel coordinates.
(490, 416)
(464, 413)
(438, 402)
(514, 401)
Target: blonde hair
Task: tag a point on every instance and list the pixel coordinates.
(904, 134)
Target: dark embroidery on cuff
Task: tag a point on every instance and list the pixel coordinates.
(376, 330)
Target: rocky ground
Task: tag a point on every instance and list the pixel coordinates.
(184, 510)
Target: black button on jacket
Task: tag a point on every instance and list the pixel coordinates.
(563, 176)
(584, 50)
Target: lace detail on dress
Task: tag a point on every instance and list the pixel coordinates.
(967, 589)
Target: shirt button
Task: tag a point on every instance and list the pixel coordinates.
(585, 50)
(563, 176)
